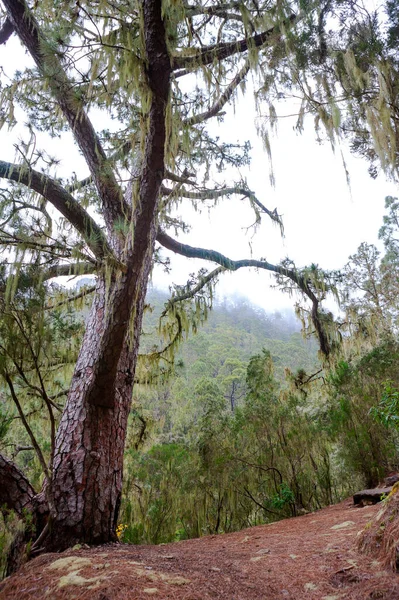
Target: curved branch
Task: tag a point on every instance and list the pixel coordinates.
(221, 51)
(71, 105)
(233, 265)
(64, 202)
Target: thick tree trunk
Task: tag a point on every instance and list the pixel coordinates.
(87, 476)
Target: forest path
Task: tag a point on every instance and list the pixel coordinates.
(309, 557)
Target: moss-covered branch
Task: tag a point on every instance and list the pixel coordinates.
(222, 100)
(64, 202)
(218, 52)
(208, 194)
(233, 265)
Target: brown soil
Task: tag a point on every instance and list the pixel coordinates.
(310, 557)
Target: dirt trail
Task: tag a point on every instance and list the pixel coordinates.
(310, 557)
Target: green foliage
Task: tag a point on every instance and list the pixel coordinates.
(387, 411)
(38, 347)
(283, 497)
(365, 445)
(217, 468)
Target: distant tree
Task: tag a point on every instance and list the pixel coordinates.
(127, 61)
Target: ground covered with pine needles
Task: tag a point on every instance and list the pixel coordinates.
(314, 556)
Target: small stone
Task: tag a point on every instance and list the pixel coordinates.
(343, 525)
(310, 586)
(70, 563)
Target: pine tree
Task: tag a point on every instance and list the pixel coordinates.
(127, 60)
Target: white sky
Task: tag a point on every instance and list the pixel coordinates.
(324, 220)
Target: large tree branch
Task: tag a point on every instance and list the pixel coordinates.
(221, 51)
(71, 105)
(233, 265)
(64, 202)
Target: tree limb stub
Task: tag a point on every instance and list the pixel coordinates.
(69, 270)
(64, 202)
(6, 31)
(16, 493)
(71, 106)
(233, 265)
